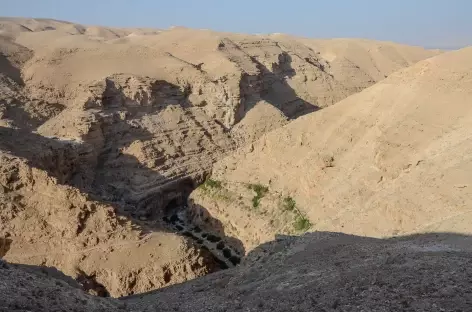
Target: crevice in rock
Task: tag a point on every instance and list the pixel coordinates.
(5, 244)
(225, 255)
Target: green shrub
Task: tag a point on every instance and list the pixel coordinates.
(260, 191)
(289, 203)
(255, 202)
(211, 184)
(301, 224)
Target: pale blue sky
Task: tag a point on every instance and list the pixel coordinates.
(430, 23)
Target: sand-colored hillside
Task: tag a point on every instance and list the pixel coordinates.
(390, 160)
(15, 26)
(229, 73)
(104, 132)
(376, 59)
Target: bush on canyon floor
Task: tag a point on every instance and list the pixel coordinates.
(289, 203)
(211, 184)
(301, 223)
(260, 191)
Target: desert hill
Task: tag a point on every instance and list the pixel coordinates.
(319, 271)
(392, 159)
(105, 132)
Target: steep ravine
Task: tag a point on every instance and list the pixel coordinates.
(226, 255)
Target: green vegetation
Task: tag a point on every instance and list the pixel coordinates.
(294, 218)
(260, 191)
(213, 183)
(210, 184)
(301, 223)
(255, 202)
(216, 190)
(289, 203)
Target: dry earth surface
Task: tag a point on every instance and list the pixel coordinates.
(105, 133)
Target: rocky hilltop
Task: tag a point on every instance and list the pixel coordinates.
(136, 159)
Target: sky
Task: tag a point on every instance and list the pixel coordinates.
(429, 23)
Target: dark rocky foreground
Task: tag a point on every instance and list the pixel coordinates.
(317, 272)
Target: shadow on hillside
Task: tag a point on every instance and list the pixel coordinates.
(50, 272)
(20, 113)
(163, 94)
(320, 242)
(326, 271)
(271, 86)
(204, 218)
(112, 177)
(23, 112)
(99, 167)
(11, 71)
(5, 244)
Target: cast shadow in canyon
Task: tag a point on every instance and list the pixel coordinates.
(271, 86)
